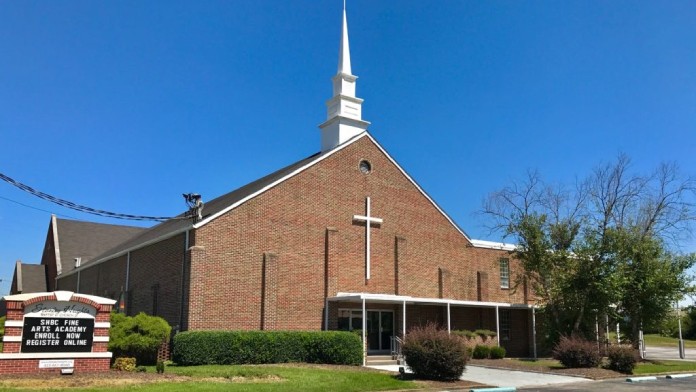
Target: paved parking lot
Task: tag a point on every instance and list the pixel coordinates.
(671, 353)
(660, 385)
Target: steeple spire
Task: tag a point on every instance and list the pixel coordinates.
(344, 50)
(344, 115)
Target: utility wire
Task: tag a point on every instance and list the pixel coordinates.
(78, 207)
(36, 208)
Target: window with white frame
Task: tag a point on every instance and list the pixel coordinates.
(349, 320)
(505, 273)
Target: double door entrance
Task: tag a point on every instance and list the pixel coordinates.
(380, 327)
(380, 330)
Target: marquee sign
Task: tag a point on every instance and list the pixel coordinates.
(52, 326)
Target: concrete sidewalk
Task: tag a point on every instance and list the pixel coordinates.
(504, 378)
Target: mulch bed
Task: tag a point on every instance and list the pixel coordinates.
(593, 373)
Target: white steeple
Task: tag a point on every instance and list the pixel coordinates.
(344, 109)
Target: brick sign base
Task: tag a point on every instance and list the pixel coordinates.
(50, 332)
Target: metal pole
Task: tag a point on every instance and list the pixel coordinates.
(497, 325)
(596, 330)
(606, 337)
(448, 318)
(364, 332)
(534, 331)
(403, 322)
(326, 314)
(618, 333)
(682, 354)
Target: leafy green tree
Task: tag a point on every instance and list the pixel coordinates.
(602, 247)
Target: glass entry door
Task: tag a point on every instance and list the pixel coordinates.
(380, 329)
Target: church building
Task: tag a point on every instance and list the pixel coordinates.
(343, 239)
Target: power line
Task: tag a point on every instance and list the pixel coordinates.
(38, 209)
(79, 207)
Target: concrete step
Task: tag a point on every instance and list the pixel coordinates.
(379, 360)
(382, 363)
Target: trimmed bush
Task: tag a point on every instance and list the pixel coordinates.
(160, 367)
(257, 347)
(485, 333)
(434, 354)
(577, 353)
(465, 334)
(622, 358)
(138, 337)
(481, 351)
(124, 364)
(497, 352)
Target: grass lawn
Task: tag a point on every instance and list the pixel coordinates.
(654, 367)
(658, 340)
(642, 368)
(227, 378)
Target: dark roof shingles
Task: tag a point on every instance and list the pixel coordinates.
(212, 207)
(89, 239)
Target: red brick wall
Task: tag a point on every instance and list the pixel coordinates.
(68, 283)
(291, 221)
(112, 278)
(82, 365)
(160, 265)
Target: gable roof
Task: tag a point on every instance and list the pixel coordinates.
(29, 278)
(227, 202)
(87, 240)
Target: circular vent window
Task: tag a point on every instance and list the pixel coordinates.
(365, 167)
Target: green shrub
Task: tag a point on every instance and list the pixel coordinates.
(124, 364)
(141, 369)
(577, 353)
(497, 352)
(465, 334)
(139, 336)
(622, 358)
(160, 367)
(432, 353)
(485, 333)
(257, 347)
(481, 351)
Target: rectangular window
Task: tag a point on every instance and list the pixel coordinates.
(505, 273)
(349, 320)
(505, 324)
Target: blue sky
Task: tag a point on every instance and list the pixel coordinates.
(125, 105)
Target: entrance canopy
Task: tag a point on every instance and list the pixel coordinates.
(408, 300)
(404, 300)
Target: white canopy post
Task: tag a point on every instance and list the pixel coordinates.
(326, 314)
(449, 325)
(497, 325)
(534, 344)
(364, 332)
(403, 321)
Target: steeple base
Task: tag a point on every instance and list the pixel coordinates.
(339, 130)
